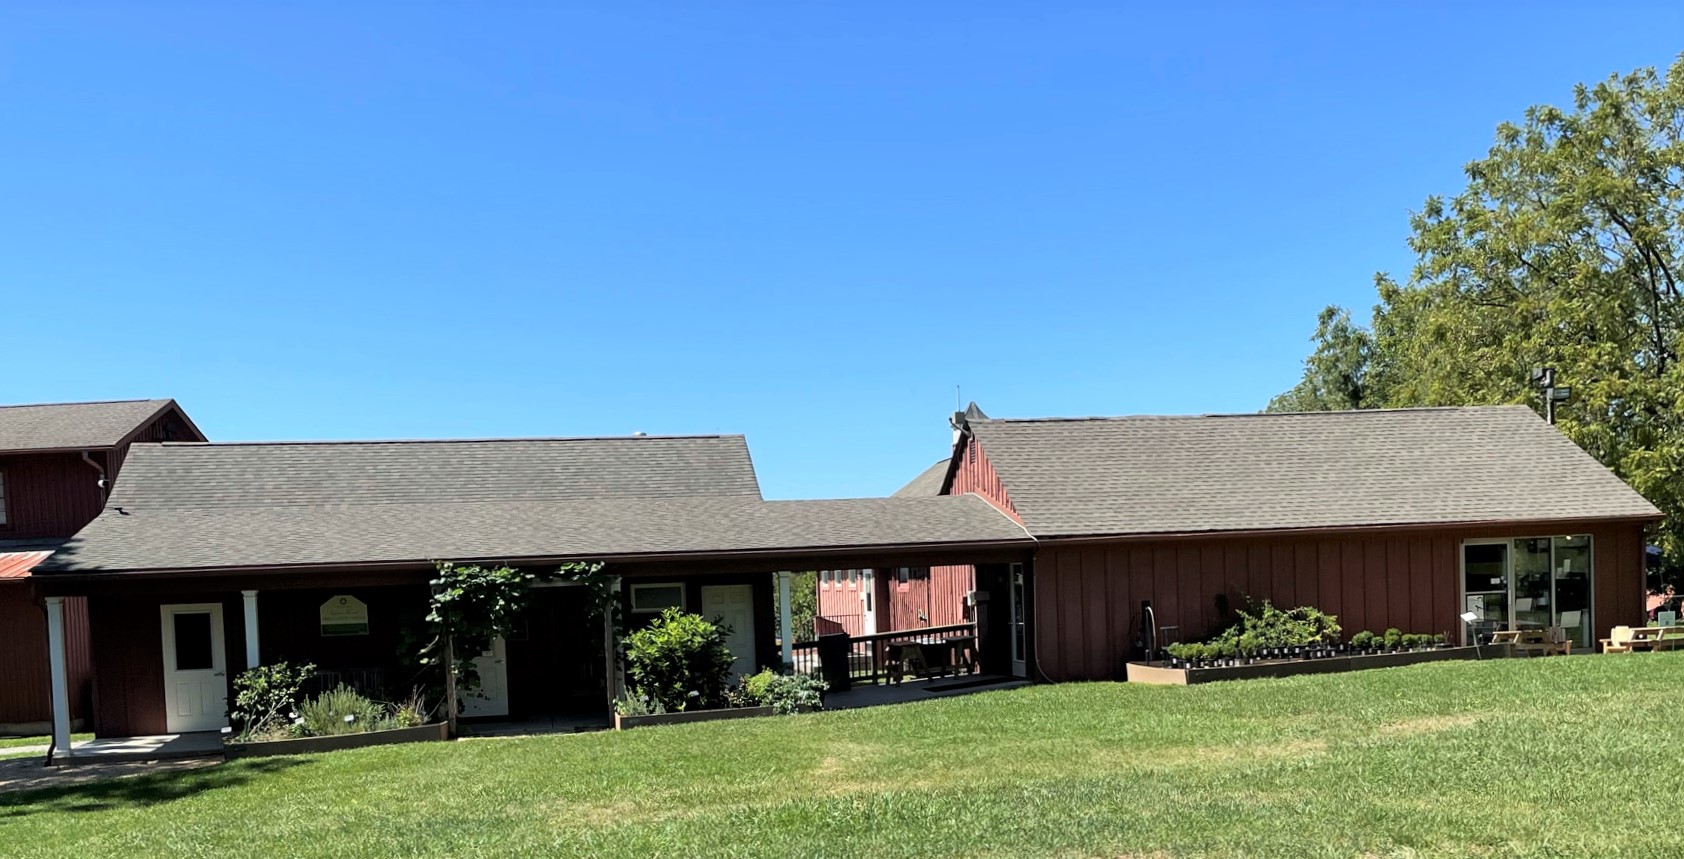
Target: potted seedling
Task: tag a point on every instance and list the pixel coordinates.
(1394, 639)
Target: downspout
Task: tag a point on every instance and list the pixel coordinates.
(87, 457)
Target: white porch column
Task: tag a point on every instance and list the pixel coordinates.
(250, 598)
(60, 677)
(784, 623)
(615, 674)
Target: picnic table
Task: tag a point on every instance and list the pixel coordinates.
(954, 654)
(1536, 642)
(1630, 639)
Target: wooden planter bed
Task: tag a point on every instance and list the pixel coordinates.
(622, 723)
(1164, 675)
(307, 745)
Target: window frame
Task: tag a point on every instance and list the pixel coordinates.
(5, 504)
(683, 596)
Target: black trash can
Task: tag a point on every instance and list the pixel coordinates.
(833, 660)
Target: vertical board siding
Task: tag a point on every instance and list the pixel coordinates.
(976, 474)
(1087, 597)
(48, 495)
(25, 678)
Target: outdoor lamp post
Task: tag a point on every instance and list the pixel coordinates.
(1544, 378)
(1468, 618)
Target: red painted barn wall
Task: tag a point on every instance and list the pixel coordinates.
(936, 592)
(49, 494)
(1087, 598)
(25, 681)
(976, 474)
(128, 657)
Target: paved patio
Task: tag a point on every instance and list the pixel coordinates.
(163, 747)
(919, 690)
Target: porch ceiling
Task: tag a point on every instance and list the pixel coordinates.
(680, 529)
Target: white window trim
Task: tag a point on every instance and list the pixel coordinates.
(683, 597)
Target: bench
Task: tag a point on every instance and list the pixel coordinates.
(1535, 642)
(1630, 639)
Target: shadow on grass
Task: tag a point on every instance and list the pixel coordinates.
(138, 791)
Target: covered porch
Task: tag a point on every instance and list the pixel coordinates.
(167, 647)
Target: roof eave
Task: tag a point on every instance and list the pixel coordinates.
(1337, 530)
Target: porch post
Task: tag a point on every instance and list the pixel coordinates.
(250, 598)
(613, 676)
(786, 634)
(60, 677)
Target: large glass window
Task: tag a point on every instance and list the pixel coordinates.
(193, 641)
(1529, 583)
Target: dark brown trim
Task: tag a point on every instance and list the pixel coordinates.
(1341, 530)
(736, 561)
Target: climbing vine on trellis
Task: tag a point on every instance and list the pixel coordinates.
(473, 604)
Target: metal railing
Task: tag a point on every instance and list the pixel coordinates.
(888, 657)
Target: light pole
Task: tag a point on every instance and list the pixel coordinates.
(1544, 379)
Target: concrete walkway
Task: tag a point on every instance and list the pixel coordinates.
(30, 773)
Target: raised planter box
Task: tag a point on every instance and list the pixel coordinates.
(1163, 675)
(308, 745)
(622, 723)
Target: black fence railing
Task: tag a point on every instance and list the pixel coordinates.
(890, 657)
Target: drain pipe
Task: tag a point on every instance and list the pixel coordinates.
(87, 457)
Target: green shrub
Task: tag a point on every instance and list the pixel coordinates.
(784, 693)
(265, 698)
(1394, 638)
(679, 661)
(1441, 639)
(341, 711)
(1363, 640)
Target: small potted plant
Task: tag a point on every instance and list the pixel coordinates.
(1362, 641)
(1394, 640)
(1441, 641)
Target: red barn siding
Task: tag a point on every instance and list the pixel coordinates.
(1088, 596)
(49, 494)
(976, 474)
(128, 656)
(25, 682)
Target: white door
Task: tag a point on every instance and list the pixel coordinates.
(491, 698)
(195, 668)
(868, 602)
(733, 605)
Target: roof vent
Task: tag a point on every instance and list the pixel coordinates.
(640, 434)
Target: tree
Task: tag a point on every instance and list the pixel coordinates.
(1565, 249)
(1336, 373)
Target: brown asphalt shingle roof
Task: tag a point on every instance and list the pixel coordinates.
(926, 484)
(73, 426)
(183, 506)
(1167, 475)
(185, 538)
(285, 474)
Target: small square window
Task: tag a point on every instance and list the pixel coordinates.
(903, 575)
(652, 598)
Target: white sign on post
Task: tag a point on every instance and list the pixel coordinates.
(344, 615)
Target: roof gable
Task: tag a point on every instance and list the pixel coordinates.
(1172, 475)
(75, 426)
(927, 483)
(287, 474)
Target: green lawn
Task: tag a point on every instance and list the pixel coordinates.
(14, 742)
(1545, 757)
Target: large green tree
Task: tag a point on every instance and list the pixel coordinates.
(1565, 249)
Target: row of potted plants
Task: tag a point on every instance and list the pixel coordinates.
(1266, 634)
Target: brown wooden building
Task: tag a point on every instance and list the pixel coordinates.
(210, 558)
(57, 462)
(868, 601)
(1389, 518)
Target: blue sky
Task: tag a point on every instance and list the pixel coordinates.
(804, 223)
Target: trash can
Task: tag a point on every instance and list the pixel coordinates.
(833, 659)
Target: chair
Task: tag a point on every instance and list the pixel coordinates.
(1618, 640)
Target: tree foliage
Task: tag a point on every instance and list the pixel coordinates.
(1565, 249)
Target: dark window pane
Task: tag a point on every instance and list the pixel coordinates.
(192, 641)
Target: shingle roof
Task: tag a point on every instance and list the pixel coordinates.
(1151, 475)
(242, 536)
(282, 474)
(60, 426)
(926, 484)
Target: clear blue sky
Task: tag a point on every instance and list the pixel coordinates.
(803, 224)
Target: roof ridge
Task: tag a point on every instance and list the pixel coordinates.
(374, 441)
(1189, 417)
(86, 403)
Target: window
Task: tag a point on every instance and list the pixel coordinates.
(853, 577)
(903, 575)
(193, 646)
(826, 577)
(653, 598)
(2, 499)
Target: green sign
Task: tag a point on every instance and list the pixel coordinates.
(344, 615)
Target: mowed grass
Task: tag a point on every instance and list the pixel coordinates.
(1543, 757)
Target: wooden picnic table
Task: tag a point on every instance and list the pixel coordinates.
(1533, 641)
(1649, 638)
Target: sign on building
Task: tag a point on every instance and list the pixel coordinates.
(344, 615)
